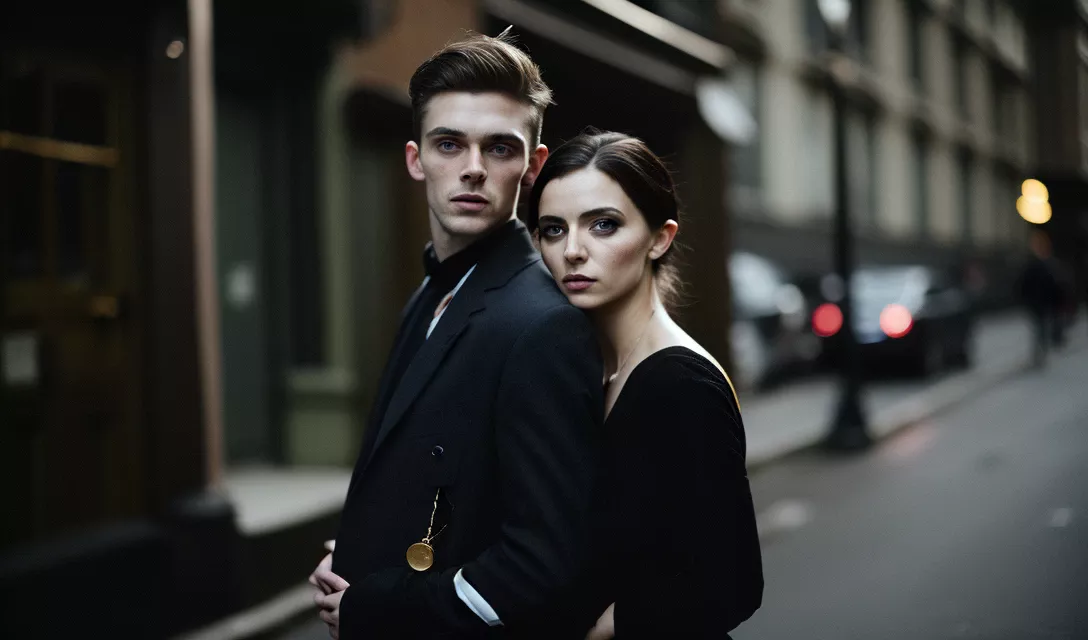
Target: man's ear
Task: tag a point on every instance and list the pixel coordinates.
(413, 162)
(663, 239)
(537, 157)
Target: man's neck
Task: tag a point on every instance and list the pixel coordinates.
(446, 245)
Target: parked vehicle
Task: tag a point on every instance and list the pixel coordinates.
(913, 318)
(770, 331)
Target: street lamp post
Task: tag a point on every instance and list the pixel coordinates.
(848, 431)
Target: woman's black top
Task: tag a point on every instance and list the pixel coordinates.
(677, 538)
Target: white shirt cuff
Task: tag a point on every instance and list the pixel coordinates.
(474, 601)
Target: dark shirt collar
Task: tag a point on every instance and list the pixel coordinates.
(449, 272)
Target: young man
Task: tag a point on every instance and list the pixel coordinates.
(467, 512)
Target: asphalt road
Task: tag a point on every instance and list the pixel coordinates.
(971, 525)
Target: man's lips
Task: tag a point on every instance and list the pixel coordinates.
(470, 201)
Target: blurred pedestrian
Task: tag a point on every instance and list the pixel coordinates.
(469, 505)
(677, 544)
(1040, 289)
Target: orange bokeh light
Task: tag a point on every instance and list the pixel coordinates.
(1035, 190)
(896, 321)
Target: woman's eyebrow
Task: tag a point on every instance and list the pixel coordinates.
(601, 210)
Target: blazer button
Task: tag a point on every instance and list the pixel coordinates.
(437, 451)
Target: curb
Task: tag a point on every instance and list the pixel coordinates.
(930, 402)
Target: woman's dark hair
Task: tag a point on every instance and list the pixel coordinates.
(639, 172)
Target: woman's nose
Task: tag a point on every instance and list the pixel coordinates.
(574, 250)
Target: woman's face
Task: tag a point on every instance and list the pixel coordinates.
(594, 240)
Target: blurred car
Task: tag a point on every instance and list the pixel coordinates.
(911, 318)
(770, 331)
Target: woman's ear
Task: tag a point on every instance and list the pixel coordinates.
(663, 239)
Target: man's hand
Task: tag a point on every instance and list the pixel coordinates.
(605, 629)
(323, 578)
(332, 590)
(329, 606)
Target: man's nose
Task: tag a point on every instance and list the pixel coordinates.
(474, 171)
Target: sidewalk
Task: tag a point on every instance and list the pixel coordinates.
(796, 417)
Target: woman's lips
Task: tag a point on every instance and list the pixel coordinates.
(578, 283)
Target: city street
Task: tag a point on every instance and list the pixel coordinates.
(971, 525)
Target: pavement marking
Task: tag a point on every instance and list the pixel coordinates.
(1061, 517)
(783, 516)
(261, 618)
(909, 444)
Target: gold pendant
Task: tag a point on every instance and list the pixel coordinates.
(420, 556)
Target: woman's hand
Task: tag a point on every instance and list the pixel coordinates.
(605, 629)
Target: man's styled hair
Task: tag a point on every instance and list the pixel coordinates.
(481, 64)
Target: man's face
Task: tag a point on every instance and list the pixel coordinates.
(474, 155)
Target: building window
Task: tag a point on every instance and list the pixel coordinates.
(872, 152)
(920, 180)
(863, 170)
(959, 75)
(966, 167)
(745, 161)
(696, 15)
(914, 41)
(857, 32)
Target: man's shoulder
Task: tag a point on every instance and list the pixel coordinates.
(530, 304)
(531, 291)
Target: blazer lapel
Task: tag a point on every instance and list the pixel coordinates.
(494, 270)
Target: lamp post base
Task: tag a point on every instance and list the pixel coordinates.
(848, 432)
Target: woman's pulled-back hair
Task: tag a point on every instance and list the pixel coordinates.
(639, 172)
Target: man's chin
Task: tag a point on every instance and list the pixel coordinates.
(473, 224)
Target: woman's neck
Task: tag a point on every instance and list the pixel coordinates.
(621, 324)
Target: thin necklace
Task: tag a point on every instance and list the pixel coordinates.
(612, 378)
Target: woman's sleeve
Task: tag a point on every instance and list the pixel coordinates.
(701, 574)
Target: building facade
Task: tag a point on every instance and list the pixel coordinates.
(939, 134)
(1059, 45)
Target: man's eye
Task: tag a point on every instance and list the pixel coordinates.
(446, 145)
(501, 150)
(605, 225)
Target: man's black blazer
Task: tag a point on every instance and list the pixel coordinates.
(501, 408)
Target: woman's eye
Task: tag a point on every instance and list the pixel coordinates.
(551, 231)
(605, 225)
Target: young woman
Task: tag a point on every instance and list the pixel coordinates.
(677, 544)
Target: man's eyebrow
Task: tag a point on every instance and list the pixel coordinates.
(506, 138)
(446, 131)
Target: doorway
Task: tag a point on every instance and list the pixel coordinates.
(70, 442)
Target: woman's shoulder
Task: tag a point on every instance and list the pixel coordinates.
(685, 375)
(687, 391)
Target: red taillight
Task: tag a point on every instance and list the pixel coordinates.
(896, 321)
(826, 320)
